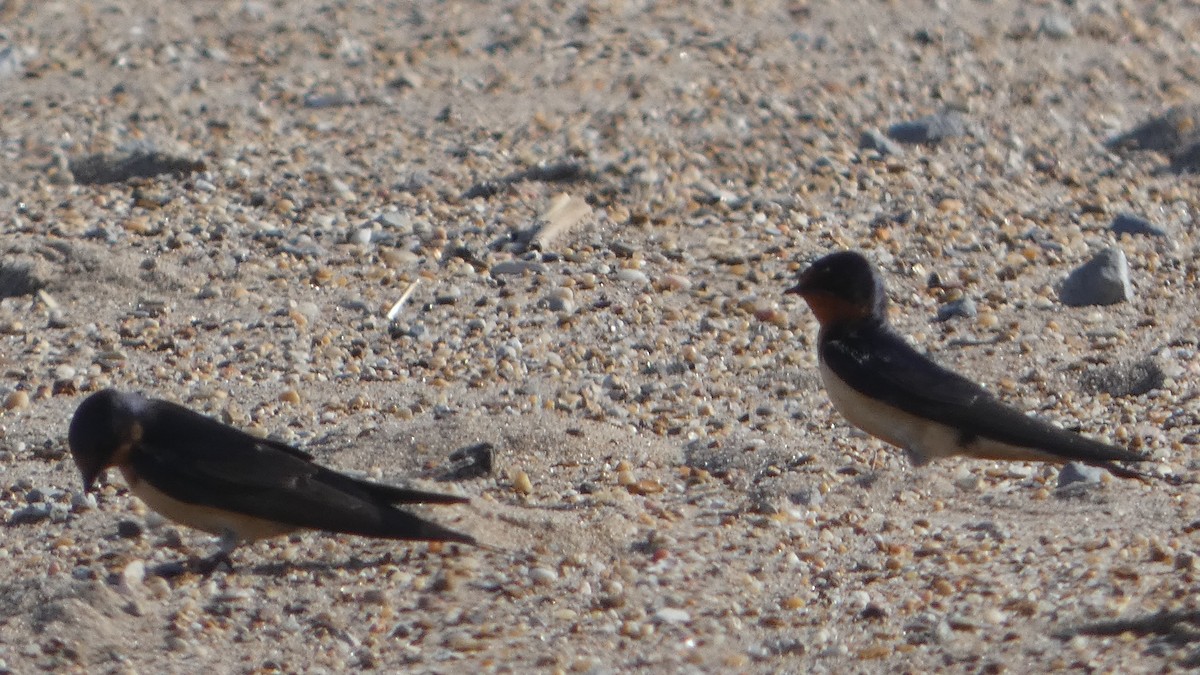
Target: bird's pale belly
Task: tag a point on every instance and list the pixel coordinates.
(206, 518)
(924, 440)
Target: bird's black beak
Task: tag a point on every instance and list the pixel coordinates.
(802, 282)
(89, 469)
(90, 478)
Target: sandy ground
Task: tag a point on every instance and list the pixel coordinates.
(692, 502)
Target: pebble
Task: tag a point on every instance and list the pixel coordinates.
(963, 307)
(59, 513)
(632, 276)
(521, 483)
(448, 295)
(83, 501)
(472, 461)
(517, 267)
(674, 282)
(930, 129)
(672, 615)
(400, 222)
(1057, 26)
(132, 575)
(968, 481)
(1103, 280)
(1130, 224)
(543, 576)
(10, 61)
(564, 213)
(1077, 472)
(129, 529)
(29, 515)
(561, 300)
(18, 400)
(417, 331)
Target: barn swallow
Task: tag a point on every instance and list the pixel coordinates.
(883, 386)
(212, 477)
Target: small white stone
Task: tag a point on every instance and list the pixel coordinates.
(361, 236)
(543, 576)
(133, 575)
(632, 276)
(672, 615)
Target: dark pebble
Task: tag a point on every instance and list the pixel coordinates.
(129, 529)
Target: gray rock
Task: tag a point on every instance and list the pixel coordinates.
(417, 331)
(927, 629)
(83, 501)
(1056, 26)
(622, 249)
(449, 296)
(930, 129)
(964, 307)
(10, 62)
(517, 267)
(334, 100)
(30, 515)
(1103, 280)
(473, 461)
(558, 303)
(395, 220)
(59, 513)
(1127, 223)
(874, 139)
(129, 529)
(807, 496)
(1076, 472)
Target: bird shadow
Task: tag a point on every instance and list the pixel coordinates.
(205, 567)
(1176, 628)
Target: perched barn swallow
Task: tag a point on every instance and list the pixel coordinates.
(213, 477)
(883, 386)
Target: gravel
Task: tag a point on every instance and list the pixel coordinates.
(565, 231)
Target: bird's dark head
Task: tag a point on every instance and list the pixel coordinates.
(842, 286)
(103, 431)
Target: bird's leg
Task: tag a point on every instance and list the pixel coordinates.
(228, 543)
(915, 457)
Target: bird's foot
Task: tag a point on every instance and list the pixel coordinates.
(869, 479)
(193, 565)
(206, 566)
